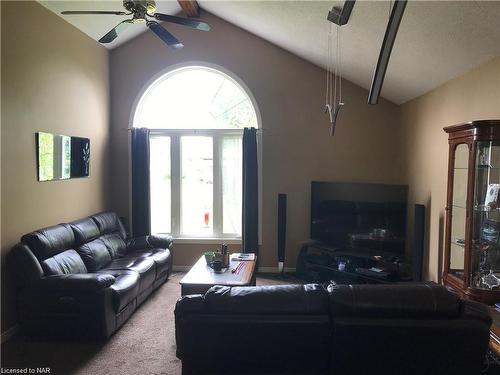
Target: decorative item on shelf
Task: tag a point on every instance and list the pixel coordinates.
(484, 157)
(491, 200)
(341, 266)
(490, 231)
(491, 281)
(380, 233)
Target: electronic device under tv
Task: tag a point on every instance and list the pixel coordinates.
(360, 217)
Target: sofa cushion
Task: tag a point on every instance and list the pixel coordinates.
(64, 263)
(85, 230)
(276, 299)
(75, 283)
(125, 287)
(161, 257)
(143, 265)
(115, 244)
(162, 241)
(94, 254)
(49, 241)
(109, 222)
(394, 301)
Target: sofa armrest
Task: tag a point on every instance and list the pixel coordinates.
(194, 303)
(80, 282)
(476, 310)
(163, 241)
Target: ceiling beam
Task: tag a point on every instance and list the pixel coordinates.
(341, 16)
(190, 7)
(398, 10)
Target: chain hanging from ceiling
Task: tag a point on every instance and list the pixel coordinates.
(333, 95)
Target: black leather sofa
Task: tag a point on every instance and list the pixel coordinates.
(355, 329)
(85, 279)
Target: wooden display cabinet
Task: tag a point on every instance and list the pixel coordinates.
(472, 242)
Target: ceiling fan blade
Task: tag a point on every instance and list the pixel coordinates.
(76, 12)
(164, 35)
(113, 33)
(198, 25)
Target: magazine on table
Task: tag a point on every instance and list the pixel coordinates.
(243, 256)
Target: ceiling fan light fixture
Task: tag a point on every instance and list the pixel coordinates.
(140, 11)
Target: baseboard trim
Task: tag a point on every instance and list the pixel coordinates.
(8, 334)
(180, 268)
(259, 270)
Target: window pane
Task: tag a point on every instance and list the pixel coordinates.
(160, 184)
(195, 98)
(197, 186)
(231, 184)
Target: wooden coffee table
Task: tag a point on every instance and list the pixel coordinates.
(201, 277)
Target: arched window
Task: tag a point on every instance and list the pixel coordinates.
(196, 117)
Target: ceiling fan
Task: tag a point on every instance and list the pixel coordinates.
(143, 11)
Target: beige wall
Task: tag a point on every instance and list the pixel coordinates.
(296, 147)
(473, 96)
(54, 79)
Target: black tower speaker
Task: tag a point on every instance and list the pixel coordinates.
(281, 230)
(418, 241)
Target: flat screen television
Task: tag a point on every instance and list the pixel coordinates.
(359, 216)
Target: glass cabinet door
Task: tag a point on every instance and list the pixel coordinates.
(485, 248)
(459, 212)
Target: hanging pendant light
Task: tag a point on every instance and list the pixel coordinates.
(333, 95)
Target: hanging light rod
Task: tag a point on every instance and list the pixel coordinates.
(385, 52)
(341, 17)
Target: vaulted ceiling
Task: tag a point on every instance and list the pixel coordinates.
(437, 40)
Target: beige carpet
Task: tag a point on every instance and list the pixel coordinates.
(144, 345)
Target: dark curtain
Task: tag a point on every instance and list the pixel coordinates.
(141, 215)
(250, 192)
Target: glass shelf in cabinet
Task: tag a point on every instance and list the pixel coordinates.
(485, 166)
(483, 208)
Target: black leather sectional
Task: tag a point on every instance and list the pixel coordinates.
(307, 329)
(84, 279)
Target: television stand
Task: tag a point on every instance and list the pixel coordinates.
(318, 262)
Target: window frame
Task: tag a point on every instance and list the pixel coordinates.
(175, 180)
(169, 71)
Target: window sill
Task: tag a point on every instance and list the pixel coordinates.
(206, 241)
